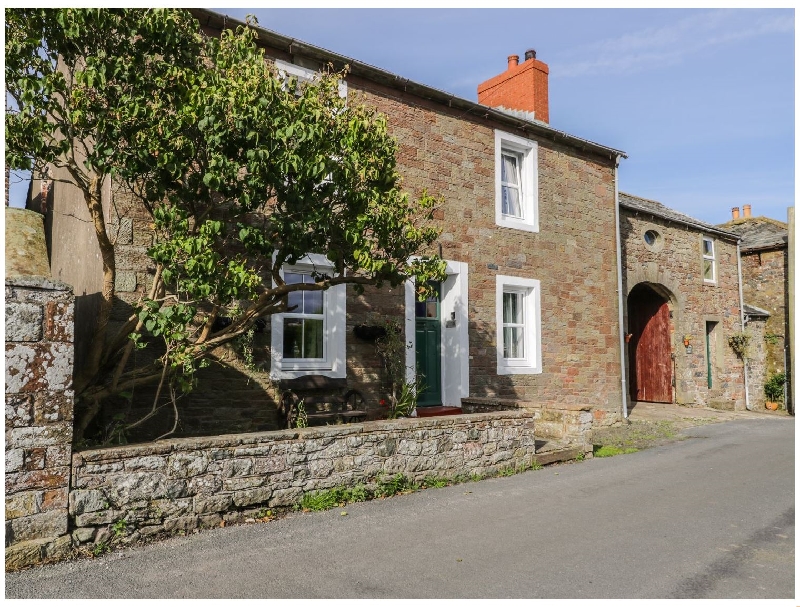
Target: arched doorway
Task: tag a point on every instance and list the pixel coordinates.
(650, 347)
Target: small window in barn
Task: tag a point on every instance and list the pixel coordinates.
(709, 261)
(651, 237)
(516, 182)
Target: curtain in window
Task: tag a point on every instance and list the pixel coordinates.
(509, 176)
(513, 326)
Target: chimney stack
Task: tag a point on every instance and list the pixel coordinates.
(735, 212)
(746, 209)
(523, 86)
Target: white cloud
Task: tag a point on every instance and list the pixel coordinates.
(656, 47)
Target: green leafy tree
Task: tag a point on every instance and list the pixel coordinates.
(242, 168)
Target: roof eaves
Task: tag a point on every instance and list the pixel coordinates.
(677, 218)
(370, 72)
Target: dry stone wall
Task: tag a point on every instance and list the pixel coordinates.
(39, 405)
(183, 484)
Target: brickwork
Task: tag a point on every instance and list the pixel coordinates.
(184, 484)
(674, 265)
(39, 338)
(572, 254)
(522, 86)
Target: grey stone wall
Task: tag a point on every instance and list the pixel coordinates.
(183, 484)
(39, 403)
(674, 267)
(757, 363)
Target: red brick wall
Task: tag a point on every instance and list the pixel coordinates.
(521, 87)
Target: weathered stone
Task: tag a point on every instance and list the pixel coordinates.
(83, 535)
(25, 554)
(37, 367)
(14, 459)
(150, 462)
(210, 520)
(251, 496)
(81, 502)
(19, 410)
(59, 321)
(52, 407)
(212, 503)
(45, 524)
(40, 436)
(182, 523)
(237, 467)
(102, 517)
(243, 482)
(286, 497)
(387, 447)
(265, 465)
(55, 499)
(59, 548)
(23, 322)
(184, 465)
(23, 504)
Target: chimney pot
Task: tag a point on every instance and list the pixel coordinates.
(513, 61)
(746, 209)
(530, 54)
(735, 212)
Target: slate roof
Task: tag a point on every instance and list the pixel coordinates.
(759, 233)
(754, 311)
(652, 207)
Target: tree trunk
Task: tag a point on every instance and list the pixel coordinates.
(85, 376)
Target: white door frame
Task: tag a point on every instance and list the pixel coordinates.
(455, 339)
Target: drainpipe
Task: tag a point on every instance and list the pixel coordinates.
(741, 314)
(620, 295)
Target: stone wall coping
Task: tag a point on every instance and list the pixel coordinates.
(175, 445)
(37, 282)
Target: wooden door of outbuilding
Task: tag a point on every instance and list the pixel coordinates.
(650, 350)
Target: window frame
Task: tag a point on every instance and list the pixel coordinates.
(526, 152)
(305, 74)
(531, 361)
(712, 258)
(333, 362)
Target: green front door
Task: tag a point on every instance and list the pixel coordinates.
(429, 349)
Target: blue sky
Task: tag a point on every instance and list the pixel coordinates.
(701, 100)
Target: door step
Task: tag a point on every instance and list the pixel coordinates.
(436, 411)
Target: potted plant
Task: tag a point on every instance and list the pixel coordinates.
(773, 390)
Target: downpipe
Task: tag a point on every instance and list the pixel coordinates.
(741, 315)
(620, 295)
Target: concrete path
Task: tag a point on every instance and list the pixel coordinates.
(708, 517)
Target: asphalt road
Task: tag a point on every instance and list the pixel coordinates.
(709, 517)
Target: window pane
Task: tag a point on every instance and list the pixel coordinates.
(512, 310)
(508, 171)
(708, 248)
(312, 302)
(295, 302)
(511, 204)
(312, 338)
(708, 269)
(513, 342)
(292, 338)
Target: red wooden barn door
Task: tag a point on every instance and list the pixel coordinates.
(649, 348)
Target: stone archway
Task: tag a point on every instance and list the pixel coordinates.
(650, 356)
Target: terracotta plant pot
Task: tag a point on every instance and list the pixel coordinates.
(771, 405)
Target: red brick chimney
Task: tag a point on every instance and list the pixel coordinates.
(523, 86)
